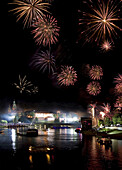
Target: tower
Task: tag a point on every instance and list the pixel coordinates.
(14, 107)
(9, 109)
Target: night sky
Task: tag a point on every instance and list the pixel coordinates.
(18, 48)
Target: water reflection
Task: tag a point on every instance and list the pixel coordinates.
(101, 157)
(13, 138)
(71, 149)
(30, 159)
(48, 158)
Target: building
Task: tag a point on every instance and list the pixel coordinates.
(44, 116)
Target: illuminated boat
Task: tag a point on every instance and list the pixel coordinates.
(44, 149)
(78, 130)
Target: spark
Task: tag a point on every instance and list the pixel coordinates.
(29, 10)
(100, 22)
(44, 61)
(46, 30)
(68, 76)
(93, 88)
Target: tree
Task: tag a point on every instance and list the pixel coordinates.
(100, 122)
(114, 120)
(107, 121)
(117, 119)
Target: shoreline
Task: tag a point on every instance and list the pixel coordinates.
(112, 136)
(102, 134)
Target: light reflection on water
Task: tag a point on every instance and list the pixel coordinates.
(13, 137)
(78, 148)
(100, 157)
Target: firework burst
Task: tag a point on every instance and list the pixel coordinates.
(24, 85)
(96, 72)
(106, 46)
(106, 108)
(100, 22)
(68, 76)
(34, 90)
(118, 79)
(29, 10)
(46, 30)
(118, 89)
(118, 103)
(93, 88)
(44, 61)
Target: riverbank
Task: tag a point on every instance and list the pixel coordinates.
(113, 134)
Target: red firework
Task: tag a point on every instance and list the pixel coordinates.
(118, 89)
(118, 103)
(93, 88)
(46, 30)
(118, 79)
(96, 72)
(106, 108)
(68, 76)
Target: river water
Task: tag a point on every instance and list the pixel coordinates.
(71, 150)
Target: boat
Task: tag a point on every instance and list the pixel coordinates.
(78, 130)
(43, 149)
(29, 132)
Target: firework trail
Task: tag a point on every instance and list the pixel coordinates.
(93, 106)
(29, 10)
(46, 30)
(44, 61)
(93, 88)
(100, 21)
(96, 72)
(68, 76)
